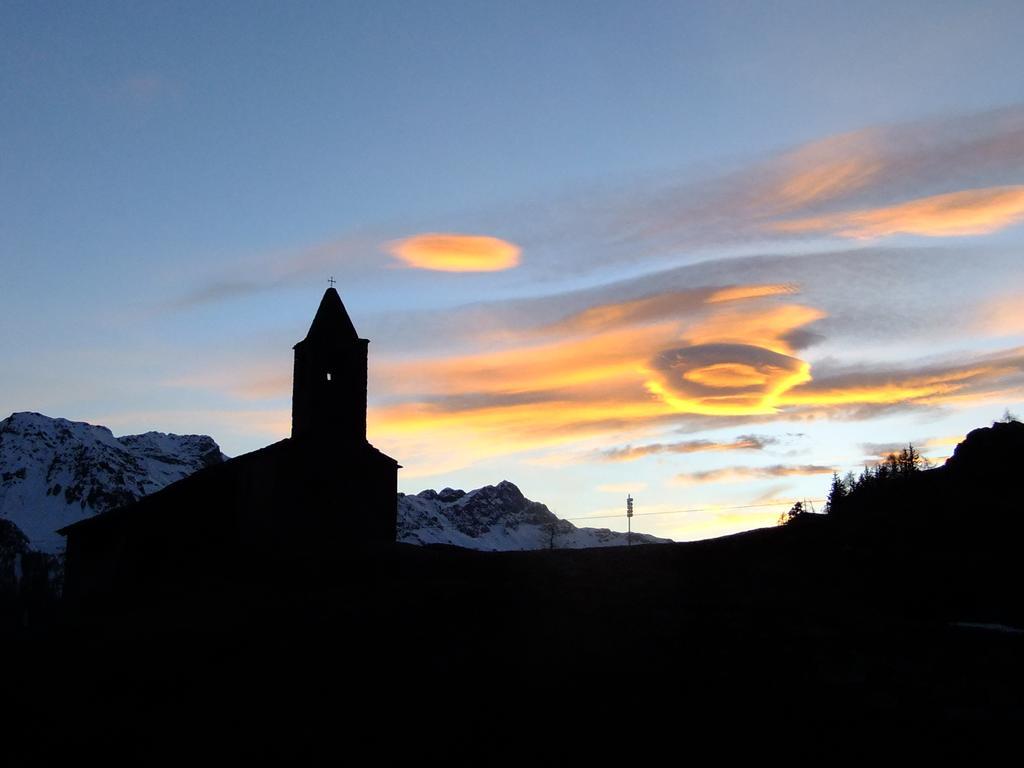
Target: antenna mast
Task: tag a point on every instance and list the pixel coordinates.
(629, 521)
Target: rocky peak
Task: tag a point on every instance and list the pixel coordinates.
(448, 495)
(989, 449)
(54, 472)
(495, 517)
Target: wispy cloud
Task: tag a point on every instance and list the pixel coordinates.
(616, 369)
(880, 451)
(666, 305)
(580, 373)
(897, 176)
(928, 384)
(937, 177)
(740, 474)
(732, 341)
(354, 257)
(656, 361)
(689, 364)
(853, 289)
(955, 214)
(632, 452)
(824, 170)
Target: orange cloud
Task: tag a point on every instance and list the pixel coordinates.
(769, 327)
(724, 379)
(456, 253)
(621, 372)
(595, 377)
(931, 388)
(825, 170)
(590, 385)
(739, 292)
(667, 305)
(727, 375)
(563, 365)
(670, 304)
(417, 430)
(969, 212)
(635, 379)
(729, 360)
(610, 380)
(649, 309)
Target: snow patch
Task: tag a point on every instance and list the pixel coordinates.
(496, 518)
(55, 472)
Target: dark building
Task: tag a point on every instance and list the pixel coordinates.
(324, 484)
(329, 380)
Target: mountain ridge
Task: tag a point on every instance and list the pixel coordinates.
(55, 472)
(497, 517)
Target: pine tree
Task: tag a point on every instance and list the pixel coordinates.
(892, 466)
(909, 461)
(866, 479)
(882, 469)
(794, 512)
(836, 495)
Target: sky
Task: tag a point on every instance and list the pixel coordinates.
(702, 253)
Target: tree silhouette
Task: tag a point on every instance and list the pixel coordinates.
(849, 492)
(910, 461)
(836, 495)
(796, 511)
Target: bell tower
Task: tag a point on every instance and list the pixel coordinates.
(329, 380)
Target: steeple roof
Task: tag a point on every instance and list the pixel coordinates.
(331, 322)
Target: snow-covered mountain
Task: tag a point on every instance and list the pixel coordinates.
(54, 472)
(496, 517)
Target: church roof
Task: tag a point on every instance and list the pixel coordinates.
(192, 491)
(331, 322)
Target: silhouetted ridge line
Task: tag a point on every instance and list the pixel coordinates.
(971, 502)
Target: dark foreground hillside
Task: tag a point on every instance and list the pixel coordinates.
(414, 652)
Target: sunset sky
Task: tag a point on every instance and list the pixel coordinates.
(703, 253)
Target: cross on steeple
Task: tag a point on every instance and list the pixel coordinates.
(331, 280)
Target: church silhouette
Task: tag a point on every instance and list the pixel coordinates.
(324, 486)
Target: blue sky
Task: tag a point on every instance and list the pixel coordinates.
(793, 221)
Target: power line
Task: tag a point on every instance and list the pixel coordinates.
(692, 509)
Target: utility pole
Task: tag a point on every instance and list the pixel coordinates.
(629, 521)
